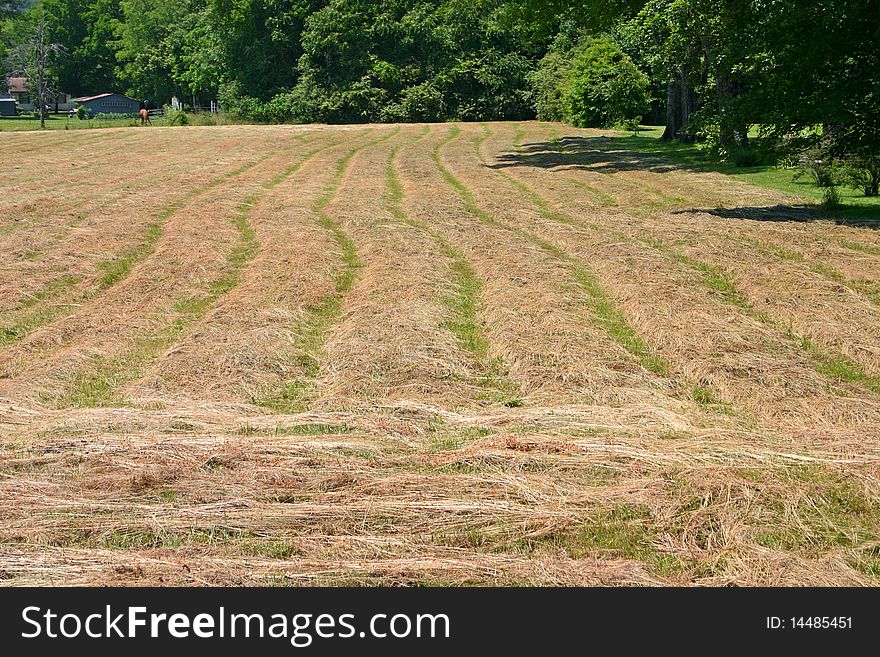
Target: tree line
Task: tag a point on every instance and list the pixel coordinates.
(805, 72)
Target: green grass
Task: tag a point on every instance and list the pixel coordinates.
(855, 206)
(714, 277)
(315, 429)
(622, 532)
(118, 268)
(443, 439)
(238, 541)
(464, 305)
(865, 288)
(706, 397)
(31, 313)
(834, 366)
(856, 246)
(168, 496)
(838, 368)
(605, 199)
(62, 122)
(828, 511)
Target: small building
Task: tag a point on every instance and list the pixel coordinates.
(7, 107)
(109, 104)
(18, 89)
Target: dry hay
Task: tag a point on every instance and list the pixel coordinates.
(384, 355)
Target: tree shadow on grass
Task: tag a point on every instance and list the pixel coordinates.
(861, 217)
(600, 154)
(619, 154)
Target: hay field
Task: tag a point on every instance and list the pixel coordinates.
(454, 354)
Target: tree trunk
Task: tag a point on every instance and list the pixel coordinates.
(673, 110)
(41, 99)
(681, 103)
(688, 107)
(731, 132)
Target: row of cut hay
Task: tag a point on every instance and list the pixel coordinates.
(77, 243)
(38, 188)
(245, 348)
(390, 342)
(191, 257)
(43, 165)
(305, 499)
(833, 315)
(807, 296)
(536, 321)
(709, 341)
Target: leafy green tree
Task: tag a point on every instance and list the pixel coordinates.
(819, 65)
(604, 87)
(591, 84)
(258, 42)
(167, 48)
(85, 29)
(14, 26)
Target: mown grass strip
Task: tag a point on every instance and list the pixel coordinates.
(463, 303)
(605, 199)
(834, 366)
(597, 300)
(292, 396)
(603, 308)
(45, 306)
(858, 246)
(35, 311)
(864, 288)
(314, 429)
(98, 384)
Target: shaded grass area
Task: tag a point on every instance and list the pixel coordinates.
(855, 206)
